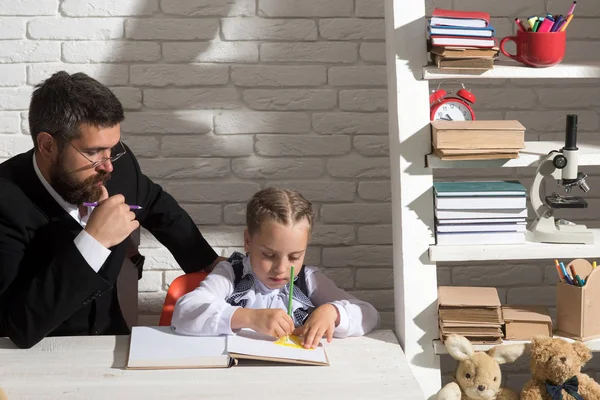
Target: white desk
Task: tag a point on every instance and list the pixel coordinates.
(82, 368)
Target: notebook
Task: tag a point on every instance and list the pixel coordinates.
(474, 19)
(479, 188)
(481, 202)
(487, 32)
(463, 41)
(159, 347)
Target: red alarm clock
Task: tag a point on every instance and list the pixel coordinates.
(451, 108)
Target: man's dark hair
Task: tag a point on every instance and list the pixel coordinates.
(62, 102)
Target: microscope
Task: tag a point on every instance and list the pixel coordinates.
(562, 165)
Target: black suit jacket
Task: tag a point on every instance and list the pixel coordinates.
(46, 286)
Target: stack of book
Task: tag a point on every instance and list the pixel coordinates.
(480, 212)
(477, 140)
(463, 41)
(473, 312)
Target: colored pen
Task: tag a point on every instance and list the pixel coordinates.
(572, 269)
(560, 277)
(291, 291)
(579, 281)
(520, 25)
(566, 274)
(572, 8)
(531, 21)
(567, 22)
(95, 204)
(557, 23)
(538, 21)
(594, 264)
(546, 25)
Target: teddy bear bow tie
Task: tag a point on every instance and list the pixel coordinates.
(571, 386)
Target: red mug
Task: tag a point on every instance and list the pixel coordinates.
(537, 49)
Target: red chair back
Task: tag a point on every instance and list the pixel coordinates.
(181, 285)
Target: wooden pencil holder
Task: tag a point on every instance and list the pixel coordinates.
(577, 307)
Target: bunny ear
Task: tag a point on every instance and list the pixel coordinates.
(459, 347)
(506, 353)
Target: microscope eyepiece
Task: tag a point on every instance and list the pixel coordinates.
(571, 132)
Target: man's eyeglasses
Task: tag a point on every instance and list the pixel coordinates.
(96, 159)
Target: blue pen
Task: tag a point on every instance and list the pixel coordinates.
(564, 270)
(557, 23)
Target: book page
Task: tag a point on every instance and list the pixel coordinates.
(160, 347)
(260, 346)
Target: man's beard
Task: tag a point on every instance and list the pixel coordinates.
(73, 191)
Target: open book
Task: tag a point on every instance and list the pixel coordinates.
(158, 347)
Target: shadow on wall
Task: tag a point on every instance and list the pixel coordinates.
(213, 121)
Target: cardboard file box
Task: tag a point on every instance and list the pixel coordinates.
(525, 322)
(578, 308)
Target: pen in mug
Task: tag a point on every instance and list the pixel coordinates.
(572, 8)
(566, 23)
(95, 204)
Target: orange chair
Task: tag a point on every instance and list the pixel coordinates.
(181, 285)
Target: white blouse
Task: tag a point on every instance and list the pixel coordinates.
(204, 311)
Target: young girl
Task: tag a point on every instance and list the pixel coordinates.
(252, 291)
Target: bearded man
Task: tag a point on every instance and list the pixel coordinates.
(60, 255)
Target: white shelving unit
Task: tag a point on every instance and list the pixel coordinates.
(525, 251)
(514, 70)
(412, 165)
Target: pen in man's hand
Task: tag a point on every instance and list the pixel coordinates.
(95, 204)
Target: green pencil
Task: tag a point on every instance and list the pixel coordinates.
(291, 291)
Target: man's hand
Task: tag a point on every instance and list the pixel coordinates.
(272, 322)
(321, 322)
(112, 221)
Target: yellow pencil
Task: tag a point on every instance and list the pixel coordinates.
(594, 264)
(564, 27)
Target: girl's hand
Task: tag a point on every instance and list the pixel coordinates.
(273, 322)
(321, 322)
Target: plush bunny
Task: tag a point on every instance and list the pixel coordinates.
(478, 375)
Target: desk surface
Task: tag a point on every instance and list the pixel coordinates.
(92, 367)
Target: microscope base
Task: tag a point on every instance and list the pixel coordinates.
(547, 230)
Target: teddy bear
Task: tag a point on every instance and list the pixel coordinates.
(556, 371)
(478, 375)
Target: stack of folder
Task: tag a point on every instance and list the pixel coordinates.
(463, 41)
(477, 140)
(480, 212)
(473, 312)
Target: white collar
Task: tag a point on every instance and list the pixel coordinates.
(71, 209)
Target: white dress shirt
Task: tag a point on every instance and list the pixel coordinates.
(204, 311)
(92, 251)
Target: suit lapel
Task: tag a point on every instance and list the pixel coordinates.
(34, 189)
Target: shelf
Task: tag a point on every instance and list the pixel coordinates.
(525, 251)
(530, 156)
(515, 70)
(439, 348)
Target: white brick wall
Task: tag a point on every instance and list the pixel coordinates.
(224, 97)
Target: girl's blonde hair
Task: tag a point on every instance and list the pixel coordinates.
(280, 205)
